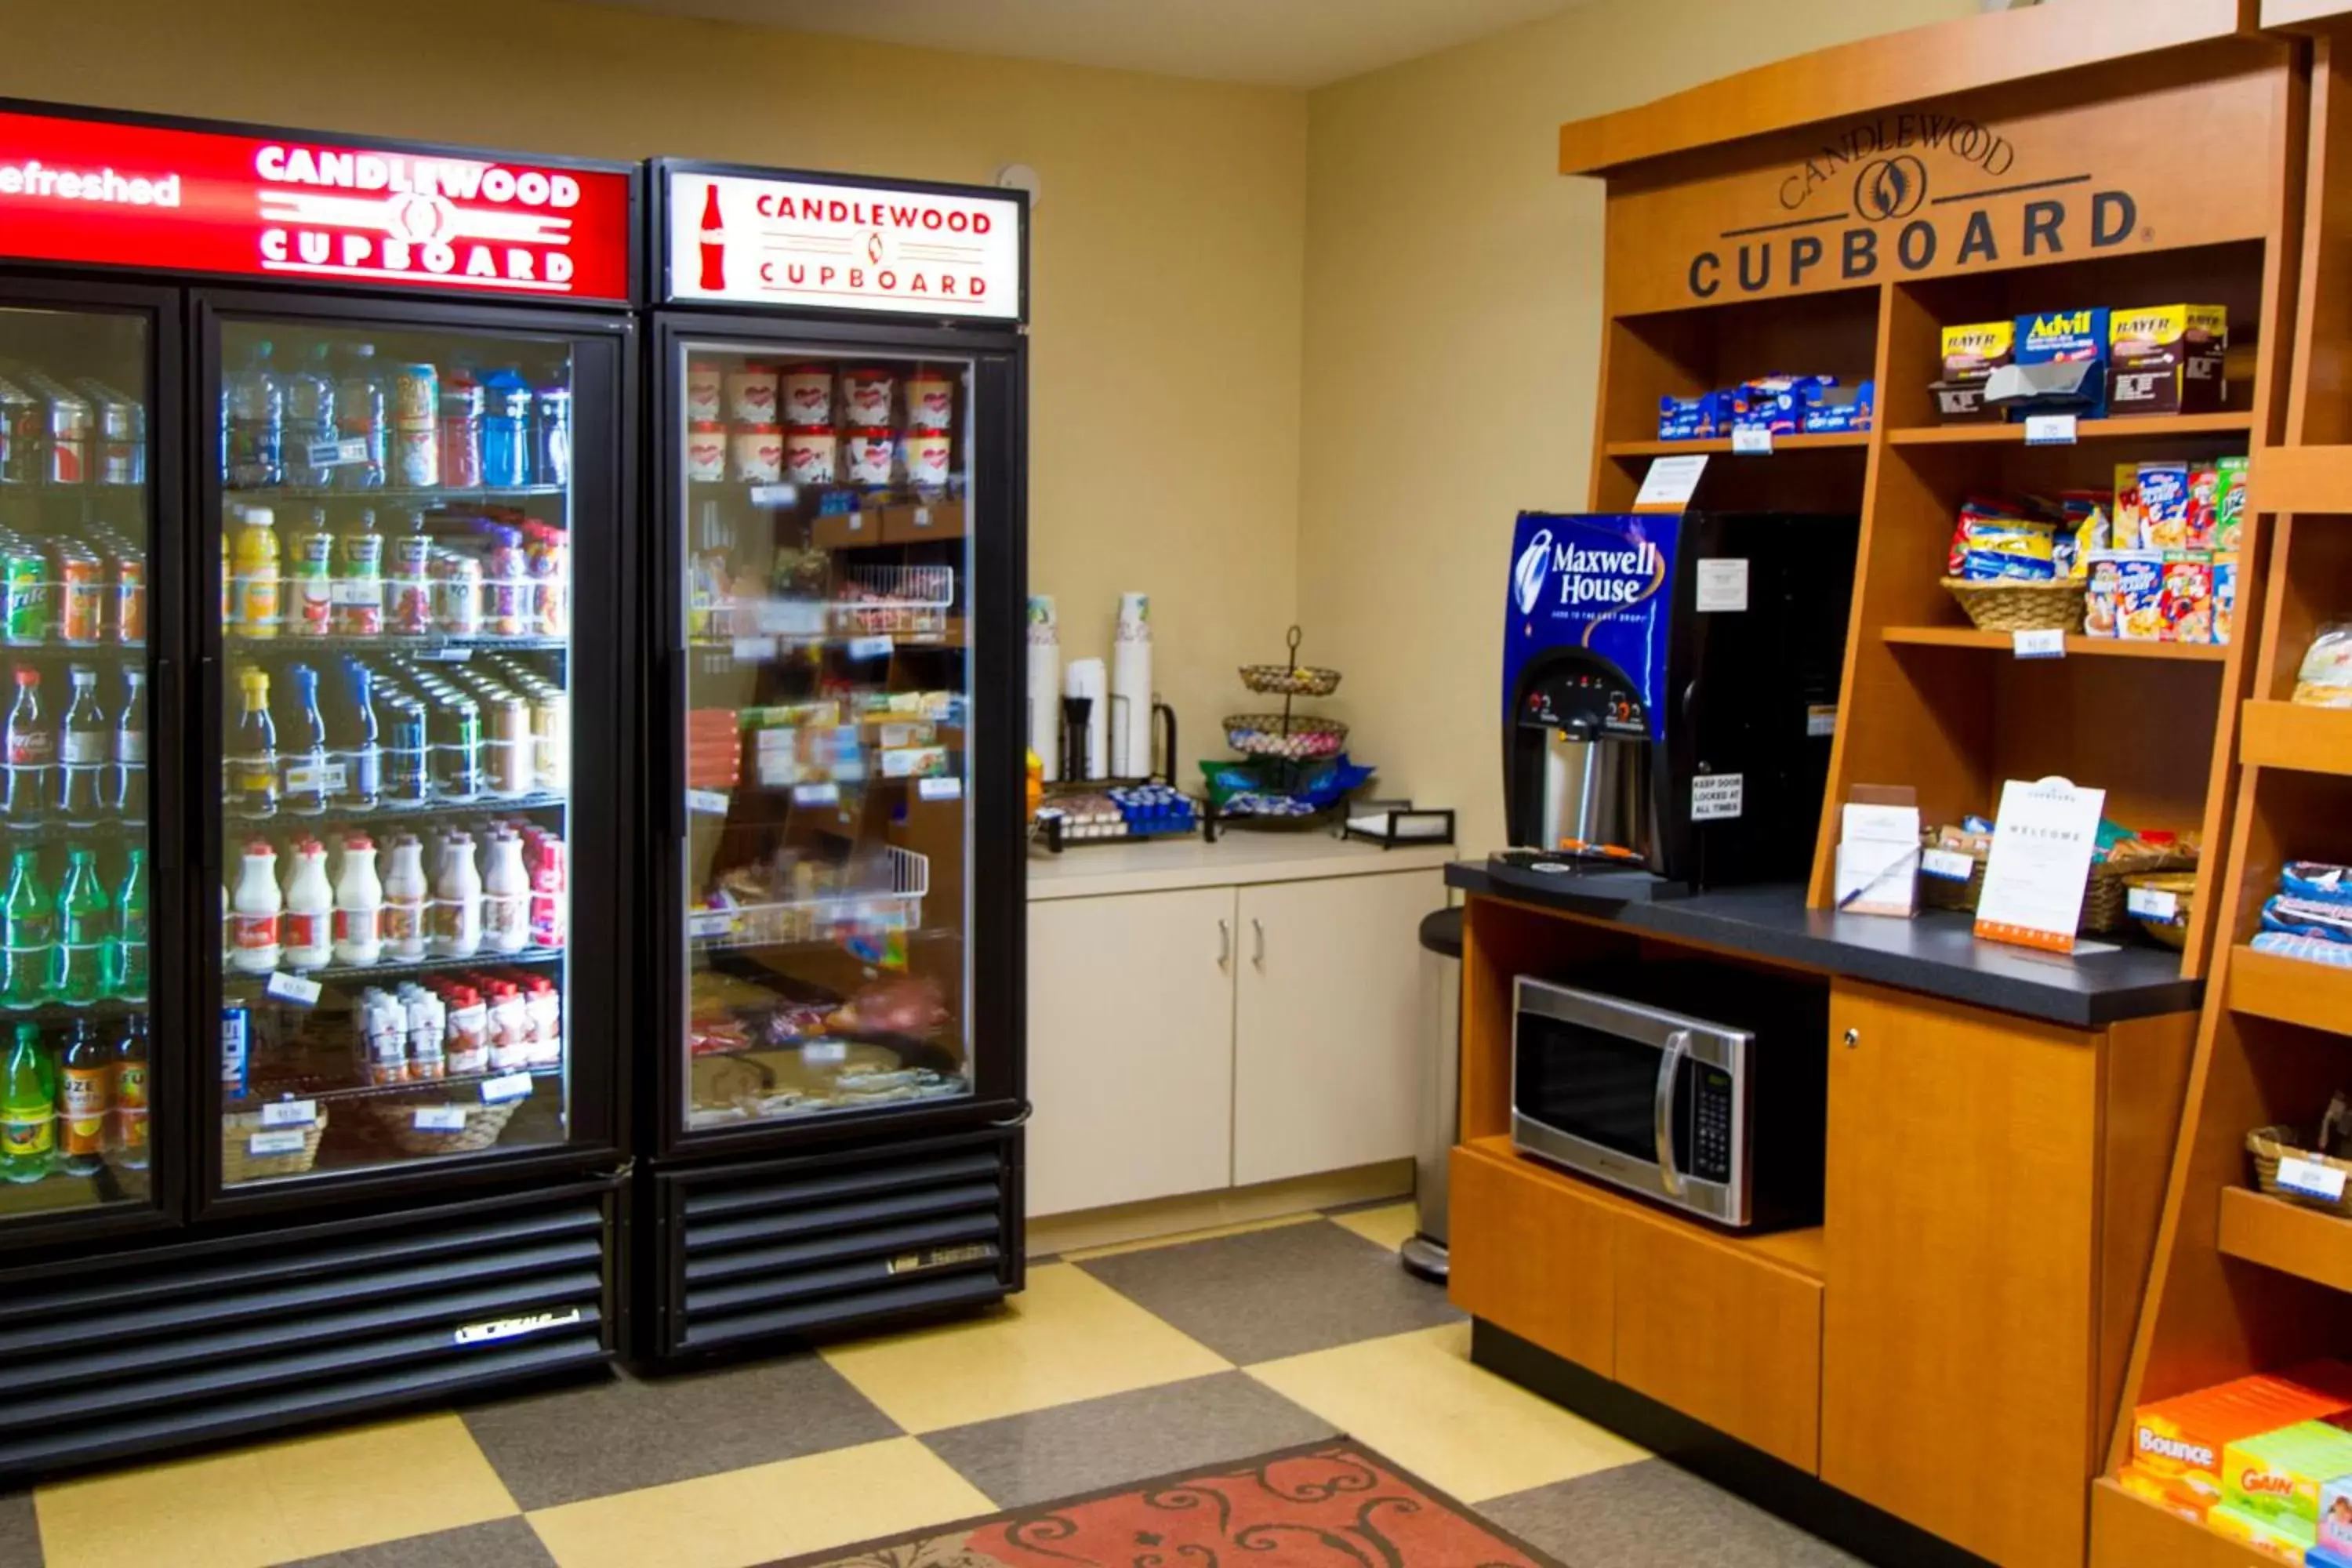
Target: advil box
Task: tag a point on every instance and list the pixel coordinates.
(2066, 337)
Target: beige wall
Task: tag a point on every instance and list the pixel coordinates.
(1453, 343)
(1167, 250)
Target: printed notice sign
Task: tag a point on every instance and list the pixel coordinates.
(1670, 483)
(1714, 797)
(1722, 583)
(2041, 859)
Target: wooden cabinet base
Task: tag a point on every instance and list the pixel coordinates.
(2128, 1533)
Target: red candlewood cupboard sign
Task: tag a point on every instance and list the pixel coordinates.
(291, 207)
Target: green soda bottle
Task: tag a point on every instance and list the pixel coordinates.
(127, 976)
(85, 933)
(28, 1110)
(28, 930)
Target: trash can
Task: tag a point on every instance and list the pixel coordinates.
(1440, 964)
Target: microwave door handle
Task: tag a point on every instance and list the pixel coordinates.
(1670, 1066)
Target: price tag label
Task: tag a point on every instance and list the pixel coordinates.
(709, 924)
(706, 801)
(513, 1085)
(940, 789)
(445, 655)
(2047, 644)
(296, 989)
(825, 1053)
(1751, 441)
(791, 617)
(1820, 719)
(754, 650)
(869, 648)
(2310, 1179)
(922, 517)
(2050, 429)
(284, 1140)
(290, 1114)
(335, 454)
(2152, 903)
(1949, 863)
(816, 795)
(440, 1118)
(772, 496)
(357, 591)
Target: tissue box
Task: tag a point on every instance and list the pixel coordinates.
(2166, 359)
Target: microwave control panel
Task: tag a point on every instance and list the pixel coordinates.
(1710, 1156)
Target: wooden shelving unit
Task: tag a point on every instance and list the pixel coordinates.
(1856, 441)
(2144, 428)
(2241, 1282)
(2076, 646)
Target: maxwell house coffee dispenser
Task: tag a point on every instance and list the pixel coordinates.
(1669, 687)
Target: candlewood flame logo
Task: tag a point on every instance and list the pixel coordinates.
(1890, 188)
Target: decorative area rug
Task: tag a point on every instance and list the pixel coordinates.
(1333, 1504)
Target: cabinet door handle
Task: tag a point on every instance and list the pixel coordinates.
(1257, 939)
(1224, 942)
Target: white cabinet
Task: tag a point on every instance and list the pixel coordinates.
(1185, 1041)
(1131, 1048)
(1329, 1033)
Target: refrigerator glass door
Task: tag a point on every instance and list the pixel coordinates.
(824, 553)
(394, 694)
(77, 522)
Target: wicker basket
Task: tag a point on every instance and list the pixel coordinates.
(2105, 890)
(1295, 737)
(2269, 1145)
(392, 1120)
(2014, 606)
(1290, 679)
(239, 1163)
(2182, 886)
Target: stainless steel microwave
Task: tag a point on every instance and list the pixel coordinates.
(1721, 1117)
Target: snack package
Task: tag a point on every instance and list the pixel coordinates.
(2087, 527)
(2177, 1443)
(2189, 596)
(2204, 507)
(1993, 540)
(2129, 522)
(2225, 597)
(2325, 680)
(2139, 595)
(2276, 1476)
(1833, 410)
(2229, 506)
(2102, 599)
(2316, 881)
(2164, 506)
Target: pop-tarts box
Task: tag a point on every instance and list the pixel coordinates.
(1836, 412)
(2067, 336)
(1694, 418)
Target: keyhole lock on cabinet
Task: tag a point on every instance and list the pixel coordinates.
(1852, 1038)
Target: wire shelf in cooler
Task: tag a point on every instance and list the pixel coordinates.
(481, 806)
(105, 1009)
(52, 830)
(421, 645)
(784, 922)
(394, 969)
(279, 1091)
(434, 496)
(57, 647)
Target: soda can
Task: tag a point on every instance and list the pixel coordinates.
(417, 457)
(550, 736)
(68, 423)
(81, 617)
(27, 611)
(456, 731)
(415, 396)
(20, 435)
(512, 750)
(461, 595)
(407, 777)
(122, 432)
(236, 1050)
(130, 597)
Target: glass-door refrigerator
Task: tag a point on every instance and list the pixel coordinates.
(833, 1065)
(314, 544)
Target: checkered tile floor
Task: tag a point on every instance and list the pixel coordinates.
(1116, 1364)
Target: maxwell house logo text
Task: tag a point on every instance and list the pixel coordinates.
(1585, 577)
(1596, 583)
(1911, 193)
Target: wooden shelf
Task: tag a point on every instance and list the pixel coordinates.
(2076, 646)
(2291, 990)
(2131, 1530)
(2137, 428)
(1855, 440)
(2301, 480)
(2284, 735)
(2286, 1236)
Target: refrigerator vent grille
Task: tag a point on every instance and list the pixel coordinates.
(213, 1342)
(828, 1242)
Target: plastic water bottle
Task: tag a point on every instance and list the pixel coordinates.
(551, 457)
(506, 430)
(309, 418)
(253, 425)
(363, 414)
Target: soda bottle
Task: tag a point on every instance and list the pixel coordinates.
(506, 429)
(311, 419)
(127, 976)
(309, 777)
(130, 1059)
(259, 599)
(253, 775)
(127, 797)
(253, 425)
(83, 744)
(85, 933)
(313, 586)
(28, 930)
(86, 1097)
(412, 577)
(363, 781)
(461, 430)
(551, 454)
(27, 1110)
(359, 578)
(363, 414)
(29, 748)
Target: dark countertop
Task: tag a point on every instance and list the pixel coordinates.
(1936, 955)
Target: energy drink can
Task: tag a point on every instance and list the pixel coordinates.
(130, 597)
(456, 734)
(236, 1050)
(407, 774)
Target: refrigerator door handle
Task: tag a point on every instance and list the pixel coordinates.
(674, 682)
(165, 823)
(208, 673)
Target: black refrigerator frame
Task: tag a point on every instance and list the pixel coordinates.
(843, 1158)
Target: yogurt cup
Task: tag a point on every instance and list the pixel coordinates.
(808, 395)
(759, 451)
(930, 457)
(702, 392)
(809, 454)
(930, 400)
(868, 458)
(706, 450)
(865, 397)
(750, 395)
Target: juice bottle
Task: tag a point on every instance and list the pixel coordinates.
(85, 933)
(257, 600)
(307, 928)
(85, 1098)
(27, 1111)
(130, 1059)
(314, 610)
(257, 909)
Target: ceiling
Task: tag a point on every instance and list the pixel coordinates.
(1273, 43)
